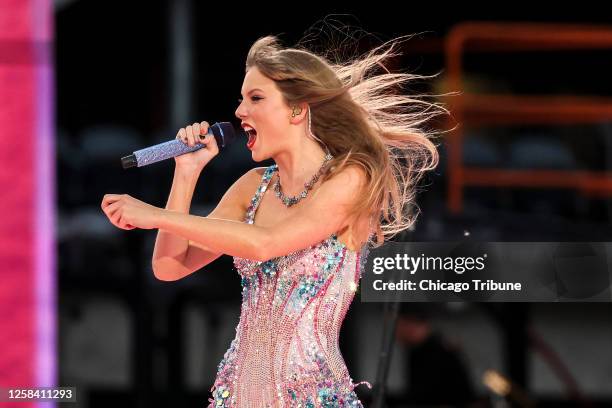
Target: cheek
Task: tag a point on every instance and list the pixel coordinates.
(271, 118)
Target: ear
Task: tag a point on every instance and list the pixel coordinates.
(301, 113)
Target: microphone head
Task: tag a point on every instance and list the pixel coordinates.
(224, 133)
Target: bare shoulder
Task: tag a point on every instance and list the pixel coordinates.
(249, 182)
(258, 171)
(236, 199)
(253, 177)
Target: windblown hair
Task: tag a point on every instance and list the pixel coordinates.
(361, 118)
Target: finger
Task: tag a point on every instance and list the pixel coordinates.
(190, 137)
(182, 135)
(125, 225)
(109, 199)
(211, 143)
(204, 140)
(110, 210)
(115, 218)
(121, 222)
(203, 129)
(196, 133)
(179, 134)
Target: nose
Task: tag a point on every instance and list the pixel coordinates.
(240, 111)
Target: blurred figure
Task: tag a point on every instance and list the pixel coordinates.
(437, 373)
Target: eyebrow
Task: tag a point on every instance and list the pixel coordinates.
(253, 90)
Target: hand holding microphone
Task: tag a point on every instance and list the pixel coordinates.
(192, 135)
(192, 149)
(185, 148)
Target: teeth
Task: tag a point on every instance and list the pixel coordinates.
(250, 131)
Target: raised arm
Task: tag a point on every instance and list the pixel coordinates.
(326, 213)
(192, 256)
(171, 249)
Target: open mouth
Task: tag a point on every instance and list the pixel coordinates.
(252, 135)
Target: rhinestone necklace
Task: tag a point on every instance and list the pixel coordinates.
(289, 201)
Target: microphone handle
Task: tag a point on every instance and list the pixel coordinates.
(163, 151)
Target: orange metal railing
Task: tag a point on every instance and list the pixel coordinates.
(494, 109)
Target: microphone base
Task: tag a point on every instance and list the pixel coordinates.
(129, 161)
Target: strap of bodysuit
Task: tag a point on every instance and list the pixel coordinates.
(265, 180)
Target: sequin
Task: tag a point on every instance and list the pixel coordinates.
(285, 353)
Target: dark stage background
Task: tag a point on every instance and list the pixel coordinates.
(130, 74)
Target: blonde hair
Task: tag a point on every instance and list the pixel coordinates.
(362, 120)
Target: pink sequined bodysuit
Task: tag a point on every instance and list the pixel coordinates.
(285, 353)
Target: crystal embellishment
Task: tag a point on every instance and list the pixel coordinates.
(285, 353)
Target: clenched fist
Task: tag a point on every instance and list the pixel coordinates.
(192, 135)
(127, 212)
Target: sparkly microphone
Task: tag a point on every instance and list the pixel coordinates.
(223, 132)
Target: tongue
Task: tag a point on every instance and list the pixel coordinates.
(251, 140)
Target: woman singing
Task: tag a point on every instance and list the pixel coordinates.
(348, 149)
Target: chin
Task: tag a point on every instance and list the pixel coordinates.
(257, 157)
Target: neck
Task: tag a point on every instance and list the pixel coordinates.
(298, 165)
